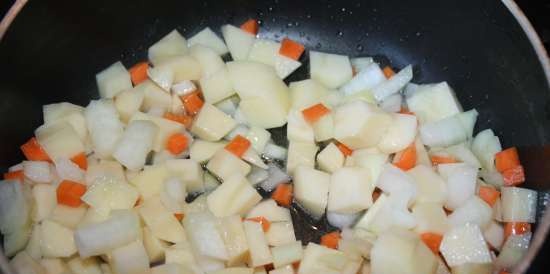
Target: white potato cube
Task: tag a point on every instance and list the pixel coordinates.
(324, 128)
(298, 129)
(461, 182)
(371, 159)
(113, 80)
(280, 233)
(233, 270)
(257, 243)
(359, 124)
(188, 171)
(431, 188)
(153, 246)
(59, 140)
(120, 229)
(321, 259)
(287, 254)
(350, 191)
(128, 102)
(494, 235)
(271, 211)
(130, 259)
(166, 128)
(38, 171)
(107, 194)
(433, 102)
(264, 51)
(23, 263)
(430, 217)
(14, 208)
(15, 241)
(330, 158)
(170, 268)
(173, 44)
(211, 124)
(238, 41)
(234, 196)
(208, 38)
(84, 266)
(485, 145)
(68, 216)
(104, 169)
(33, 244)
(204, 235)
(473, 211)
(163, 223)
(54, 266)
(45, 200)
(155, 97)
(400, 134)
(306, 93)
(464, 244)
(331, 70)
(104, 126)
(263, 113)
(56, 240)
(224, 164)
(217, 87)
(518, 204)
(311, 189)
(285, 66)
(183, 67)
(67, 112)
(135, 144)
(201, 151)
(300, 154)
(233, 235)
(367, 221)
(162, 76)
(258, 138)
(181, 254)
(209, 60)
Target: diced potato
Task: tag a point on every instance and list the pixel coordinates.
(285, 66)
(211, 124)
(263, 113)
(430, 217)
(297, 129)
(68, 216)
(472, 269)
(462, 153)
(166, 129)
(224, 164)
(204, 235)
(183, 67)
(84, 266)
(135, 144)
(113, 80)
(257, 243)
(56, 240)
(238, 41)
(433, 102)
(38, 171)
(359, 124)
(461, 182)
(431, 188)
(170, 268)
(513, 251)
(153, 246)
(234, 270)
(59, 140)
(14, 209)
(106, 194)
(201, 151)
(153, 96)
(260, 270)
(104, 126)
(189, 171)
(320, 259)
(264, 51)
(311, 189)
(229, 105)
(350, 191)
(367, 220)
(180, 254)
(16, 241)
(494, 235)
(208, 38)
(422, 157)
(54, 266)
(400, 134)
(67, 112)
(271, 211)
(306, 93)
(23, 263)
(371, 159)
(173, 44)
(251, 156)
(331, 70)
(45, 200)
(258, 138)
(464, 244)
(128, 102)
(324, 128)
(120, 229)
(413, 256)
(288, 269)
(235, 196)
(33, 245)
(217, 87)
(518, 204)
(287, 254)
(280, 233)
(209, 60)
(162, 222)
(162, 76)
(485, 145)
(300, 154)
(330, 158)
(473, 211)
(130, 259)
(233, 235)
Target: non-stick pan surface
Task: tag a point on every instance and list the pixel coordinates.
(54, 48)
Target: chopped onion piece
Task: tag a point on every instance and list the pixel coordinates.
(67, 170)
(360, 63)
(449, 131)
(276, 177)
(461, 183)
(257, 175)
(38, 171)
(485, 145)
(394, 84)
(518, 204)
(392, 103)
(341, 220)
(513, 250)
(366, 79)
(275, 152)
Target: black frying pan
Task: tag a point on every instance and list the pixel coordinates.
(54, 48)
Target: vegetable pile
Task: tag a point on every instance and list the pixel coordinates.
(163, 174)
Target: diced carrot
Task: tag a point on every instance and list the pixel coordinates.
(488, 194)
(238, 146)
(407, 159)
(507, 159)
(331, 239)
(432, 240)
(291, 49)
(34, 152)
(388, 72)
(177, 143)
(344, 149)
(437, 160)
(250, 26)
(185, 120)
(514, 176)
(314, 113)
(69, 193)
(405, 110)
(179, 216)
(138, 72)
(14, 175)
(192, 102)
(266, 224)
(80, 160)
(283, 195)
(516, 228)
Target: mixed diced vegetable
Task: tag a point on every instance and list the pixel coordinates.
(174, 170)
